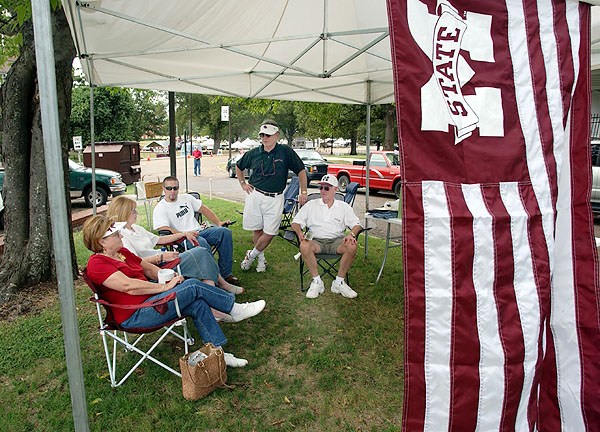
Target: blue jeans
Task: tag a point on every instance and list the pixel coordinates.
(199, 263)
(196, 166)
(221, 238)
(195, 299)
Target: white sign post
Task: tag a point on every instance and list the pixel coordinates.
(225, 117)
(225, 113)
(77, 145)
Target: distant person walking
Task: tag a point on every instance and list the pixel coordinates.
(269, 165)
(197, 153)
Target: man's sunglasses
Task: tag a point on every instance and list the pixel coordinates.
(263, 135)
(169, 188)
(323, 187)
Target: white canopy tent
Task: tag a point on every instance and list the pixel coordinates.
(304, 50)
(309, 50)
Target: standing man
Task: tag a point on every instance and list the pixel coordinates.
(197, 153)
(269, 165)
(175, 214)
(327, 219)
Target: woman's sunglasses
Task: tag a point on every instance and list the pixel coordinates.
(323, 187)
(171, 188)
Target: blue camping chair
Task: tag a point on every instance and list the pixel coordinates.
(290, 208)
(351, 190)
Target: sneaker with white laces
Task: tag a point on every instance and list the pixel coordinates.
(247, 262)
(242, 311)
(343, 289)
(316, 288)
(233, 361)
(261, 264)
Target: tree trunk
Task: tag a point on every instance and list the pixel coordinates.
(390, 122)
(28, 257)
(353, 140)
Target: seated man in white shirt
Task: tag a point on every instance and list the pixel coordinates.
(327, 219)
(175, 214)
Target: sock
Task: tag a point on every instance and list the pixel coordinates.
(235, 309)
(261, 255)
(317, 278)
(339, 279)
(254, 253)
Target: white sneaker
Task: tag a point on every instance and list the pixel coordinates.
(315, 289)
(261, 264)
(247, 262)
(233, 361)
(343, 289)
(244, 311)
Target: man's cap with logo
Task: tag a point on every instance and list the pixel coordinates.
(268, 129)
(329, 179)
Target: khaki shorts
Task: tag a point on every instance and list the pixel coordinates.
(263, 213)
(329, 246)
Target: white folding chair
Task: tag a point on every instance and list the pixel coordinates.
(110, 329)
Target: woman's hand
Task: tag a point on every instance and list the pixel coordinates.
(174, 282)
(170, 256)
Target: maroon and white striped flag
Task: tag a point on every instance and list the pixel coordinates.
(500, 266)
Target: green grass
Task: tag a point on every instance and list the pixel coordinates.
(330, 364)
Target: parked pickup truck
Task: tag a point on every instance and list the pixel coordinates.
(384, 172)
(80, 183)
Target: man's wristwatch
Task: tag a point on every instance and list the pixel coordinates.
(352, 234)
(303, 192)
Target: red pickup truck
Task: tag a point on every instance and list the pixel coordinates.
(384, 172)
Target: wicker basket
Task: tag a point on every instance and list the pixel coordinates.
(148, 189)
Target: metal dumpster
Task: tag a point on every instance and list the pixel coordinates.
(120, 156)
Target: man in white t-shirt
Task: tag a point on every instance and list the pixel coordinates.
(175, 214)
(327, 219)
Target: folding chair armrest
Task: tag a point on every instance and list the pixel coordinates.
(363, 230)
(171, 264)
(159, 304)
(164, 233)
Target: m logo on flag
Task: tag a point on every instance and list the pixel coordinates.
(442, 37)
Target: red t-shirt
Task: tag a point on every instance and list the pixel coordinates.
(197, 154)
(100, 267)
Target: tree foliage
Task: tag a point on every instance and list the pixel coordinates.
(119, 114)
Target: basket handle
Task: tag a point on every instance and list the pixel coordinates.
(216, 382)
(148, 175)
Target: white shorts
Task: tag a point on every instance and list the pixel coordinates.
(263, 213)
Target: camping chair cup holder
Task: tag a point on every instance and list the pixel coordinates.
(108, 328)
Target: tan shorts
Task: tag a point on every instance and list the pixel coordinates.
(329, 246)
(263, 213)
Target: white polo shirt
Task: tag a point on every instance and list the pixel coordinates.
(326, 222)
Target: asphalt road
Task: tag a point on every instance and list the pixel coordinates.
(216, 181)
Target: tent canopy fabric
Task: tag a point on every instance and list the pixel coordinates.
(304, 50)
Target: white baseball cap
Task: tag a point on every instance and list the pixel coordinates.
(268, 129)
(113, 228)
(329, 179)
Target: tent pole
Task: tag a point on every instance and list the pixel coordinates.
(44, 50)
(93, 145)
(172, 147)
(367, 165)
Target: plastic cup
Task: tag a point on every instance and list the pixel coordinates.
(165, 275)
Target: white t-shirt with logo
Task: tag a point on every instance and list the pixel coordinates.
(178, 215)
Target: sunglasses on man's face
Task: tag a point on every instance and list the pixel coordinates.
(263, 135)
(323, 187)
(169, 188)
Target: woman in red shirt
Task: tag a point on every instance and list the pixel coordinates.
(123, 278)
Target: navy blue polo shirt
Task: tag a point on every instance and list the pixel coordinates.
(270, 169)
